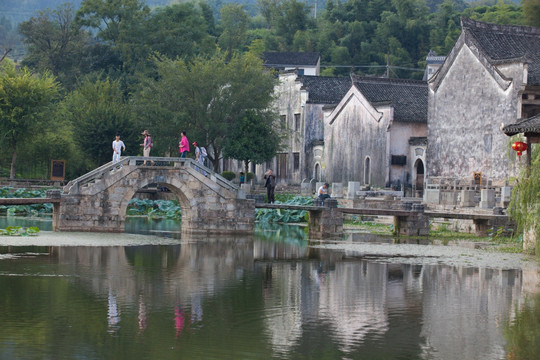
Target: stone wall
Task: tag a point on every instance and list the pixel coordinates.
(468, 102)
(354, 132)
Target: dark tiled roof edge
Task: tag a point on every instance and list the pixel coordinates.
(507, 29)
(530, 125)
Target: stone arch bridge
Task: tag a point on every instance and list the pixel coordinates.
(98, 200)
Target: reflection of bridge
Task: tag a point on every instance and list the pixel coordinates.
(98, 201)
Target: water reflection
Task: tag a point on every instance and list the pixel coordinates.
(258, 297)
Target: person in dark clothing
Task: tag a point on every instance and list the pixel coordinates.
(270, 185)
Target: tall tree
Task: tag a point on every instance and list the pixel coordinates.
(206, 97)
(234, 24)
(255, 138)
(56, 44)
(98, 110)
(24, 97)
(111, 18)
(531, 11)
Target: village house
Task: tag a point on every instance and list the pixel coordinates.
(304, 63)
(376, 135)
(490, 78)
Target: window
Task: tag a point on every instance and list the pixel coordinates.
(296, 122)
(367, 170)
(399, 159)
(283, 119)
(296, 162)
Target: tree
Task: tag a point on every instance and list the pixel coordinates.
(206, 97)
(23, 99)
(525, 203)
(111, 17)
(234, 22)
(98, 110)
(56, 44)
(531, 12)
(255, 138)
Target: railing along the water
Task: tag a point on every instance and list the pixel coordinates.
(153, 163)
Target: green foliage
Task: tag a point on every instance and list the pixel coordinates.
(99, 110)
(254, 138)
(250, 176)
(229, 175)
(531, 12)
(524, 206)
(19, 231)
(24, 101)
(56, 44)
(207, 97)
(155, 208)
(282, 215)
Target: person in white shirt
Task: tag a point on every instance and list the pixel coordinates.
(323, 192)
(117, 146)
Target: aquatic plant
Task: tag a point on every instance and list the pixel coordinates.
(24, 210)
(155, 208)
(19, 231)
(282, 215)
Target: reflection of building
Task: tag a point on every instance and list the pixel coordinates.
(447, 324)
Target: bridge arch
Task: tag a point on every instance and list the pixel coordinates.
(98, 201)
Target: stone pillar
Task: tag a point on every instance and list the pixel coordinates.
(415, 224)
(305, 189)
(246, 188)
(467, 198)
(506, 194)
(327, 222)
(432, 196)
(352, 188)
(487, 198)
(337, 190)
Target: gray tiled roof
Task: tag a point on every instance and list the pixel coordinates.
(281, 59)
(325, 89)
(505, 42)
(530, 125)
(408, 97)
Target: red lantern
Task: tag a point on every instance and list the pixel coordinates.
(519, 147)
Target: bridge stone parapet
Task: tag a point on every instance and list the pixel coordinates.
(98, 201)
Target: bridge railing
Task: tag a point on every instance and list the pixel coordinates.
(110, 168)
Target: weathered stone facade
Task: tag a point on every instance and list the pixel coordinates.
(366, 136)
(488, 80)
(101, 205)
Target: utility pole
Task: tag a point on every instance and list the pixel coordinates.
(387, 66)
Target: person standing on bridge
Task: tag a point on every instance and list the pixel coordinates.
(117, 146)
(184, 144)
(200, 155)
(147, 145)
(270, 185)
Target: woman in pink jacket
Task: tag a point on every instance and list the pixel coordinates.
(184, 145)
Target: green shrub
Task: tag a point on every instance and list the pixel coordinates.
(229, 175)
(250, 176)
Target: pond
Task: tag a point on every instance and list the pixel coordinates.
(273, 295)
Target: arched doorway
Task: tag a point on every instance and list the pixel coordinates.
(419, 170)
(317, 172)
(367, 170)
